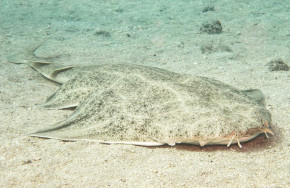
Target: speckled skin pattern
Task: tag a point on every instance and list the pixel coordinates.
(124, 103)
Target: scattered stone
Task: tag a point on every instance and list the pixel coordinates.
(103, 33)
(26, 162)
(212, 47)
(208, 8)
(207, 48)
(212, 27)
(120, 10)
(180, 44)
(278, 65)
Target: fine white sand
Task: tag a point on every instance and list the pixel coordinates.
(164, 34)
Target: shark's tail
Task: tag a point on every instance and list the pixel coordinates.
(28, 55)
(43, 66)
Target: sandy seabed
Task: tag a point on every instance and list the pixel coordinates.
(163, 34)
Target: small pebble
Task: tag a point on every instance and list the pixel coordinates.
(212, 27)
(278, 65)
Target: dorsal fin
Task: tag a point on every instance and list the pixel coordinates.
(49, 70)
(53, 75)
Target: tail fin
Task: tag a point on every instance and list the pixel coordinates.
(28, 55)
